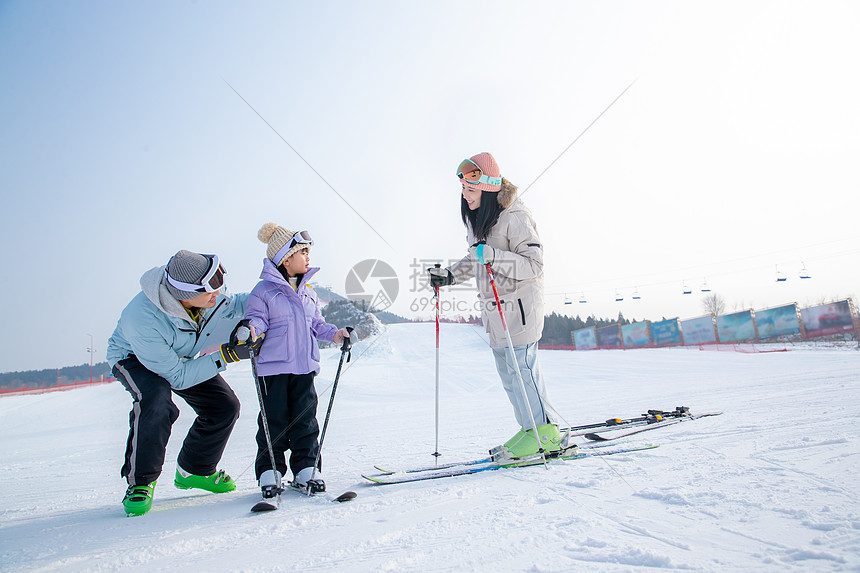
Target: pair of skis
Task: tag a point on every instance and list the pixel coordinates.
(272, 505)
(615, 428)
(385, 477)
(606, 431)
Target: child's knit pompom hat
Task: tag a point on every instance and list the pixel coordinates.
(278, 238)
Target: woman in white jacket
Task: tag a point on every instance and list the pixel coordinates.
(494, 217)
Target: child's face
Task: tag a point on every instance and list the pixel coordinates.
(298, 263)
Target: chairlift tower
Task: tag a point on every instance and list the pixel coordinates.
(92, 351)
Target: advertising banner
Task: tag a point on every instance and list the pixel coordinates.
(584, 339)
(636, 335)
(699, 330)
(827, 319)
(666, 333)
(737, 327)
(610, 336)
(776, 322)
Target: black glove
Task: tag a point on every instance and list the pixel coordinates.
(237, 349)
(440, 277)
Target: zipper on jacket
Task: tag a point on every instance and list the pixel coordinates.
(206, 320)
(522, 311)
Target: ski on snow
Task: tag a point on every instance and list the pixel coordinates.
(651, 420)
(663, 421)
(274, 503)
(612, 429)
(446, 465)
(476, 466)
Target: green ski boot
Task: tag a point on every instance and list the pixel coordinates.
(219, 482)
(138, 499)
(501, 451)
(524, 444)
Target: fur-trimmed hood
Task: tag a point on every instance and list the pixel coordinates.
(508, 194)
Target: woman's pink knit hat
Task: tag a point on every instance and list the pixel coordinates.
(488, 165)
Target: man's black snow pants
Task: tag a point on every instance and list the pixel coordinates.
(290, 401)
(153, 413)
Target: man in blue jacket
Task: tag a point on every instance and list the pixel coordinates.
(155, 352)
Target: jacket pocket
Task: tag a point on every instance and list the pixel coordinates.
(276, 347)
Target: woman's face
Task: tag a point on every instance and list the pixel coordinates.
(298, 263)
(472, 196)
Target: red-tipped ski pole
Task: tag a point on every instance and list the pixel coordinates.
(436, 453)
(513, 364)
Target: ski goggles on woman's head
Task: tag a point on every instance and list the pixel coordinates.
(469, 172)
(211, 282)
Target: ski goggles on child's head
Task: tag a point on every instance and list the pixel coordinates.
(212, 281)
(469, 172)
(300, 238)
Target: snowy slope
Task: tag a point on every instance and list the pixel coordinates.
(771, 485)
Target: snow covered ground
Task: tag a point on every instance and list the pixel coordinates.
(771, 485)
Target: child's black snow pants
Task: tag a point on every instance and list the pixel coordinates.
(291, 409)
(153, 413)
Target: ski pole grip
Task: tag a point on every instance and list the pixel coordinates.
(479, 250)
(347, 342)
(243, 333)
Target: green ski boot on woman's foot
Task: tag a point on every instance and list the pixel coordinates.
(219, 482)
(501, 451)
(523, 444)
(138, 499)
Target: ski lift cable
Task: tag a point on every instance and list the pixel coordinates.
(627, 278)
(718, 274)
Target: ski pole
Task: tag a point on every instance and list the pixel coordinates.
(244, 334)
(344, 352)
(436, 453)
(514, 365)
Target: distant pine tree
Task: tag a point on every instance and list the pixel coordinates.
(52, 376)
(344, 313)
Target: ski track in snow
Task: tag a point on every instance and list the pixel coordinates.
(770, 485)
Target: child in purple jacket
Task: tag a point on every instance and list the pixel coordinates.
(286, 309)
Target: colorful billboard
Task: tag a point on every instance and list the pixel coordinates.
(609, 336)
(666, 332)
(776, 322)
(585, 339)
(737, 327)
(827, 319)
(636, 335)
(699, 330)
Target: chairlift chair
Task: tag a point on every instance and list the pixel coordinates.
(780, 277)
(618, 297)
(687, 290)
(567, 299)
(804, 274)
(636, 294)
(582, 299)
(705, 287)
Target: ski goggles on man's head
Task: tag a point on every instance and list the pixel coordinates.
(469, 172)
(211, 282)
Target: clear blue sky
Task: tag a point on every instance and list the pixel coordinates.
(734, 153)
